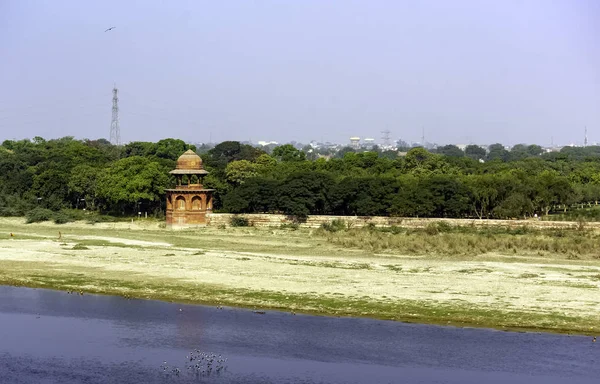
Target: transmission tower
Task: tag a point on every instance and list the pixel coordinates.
(585, 138)
(386, 138)
(115, 131)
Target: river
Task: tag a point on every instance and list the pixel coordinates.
(57, 337)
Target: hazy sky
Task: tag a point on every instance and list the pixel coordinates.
(478, 71)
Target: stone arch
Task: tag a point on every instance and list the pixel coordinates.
(196, 203)
(180, 203)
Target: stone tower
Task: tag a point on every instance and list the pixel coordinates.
(188, 203)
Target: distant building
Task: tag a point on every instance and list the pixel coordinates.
(188, 203)
(355, 141)
(368, 143)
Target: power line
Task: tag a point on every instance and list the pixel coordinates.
(386, 138)
(115, 131)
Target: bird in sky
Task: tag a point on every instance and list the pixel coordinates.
(111, 28)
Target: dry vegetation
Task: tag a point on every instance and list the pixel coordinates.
(503, 278)
(442, 239)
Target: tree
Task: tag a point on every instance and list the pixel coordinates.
(419, 161)
(497, 152)
(131, 180)
(417, 157)
(139, 148)
(475, 152)
(449, 197)
(238, 171)
(551, 190)
(229, 151)
(484, 193)
(256, 195)
(516, 205)
(342, 152)
(450, 151)
(50, 188)
(518, 152)
(411, 200)
(288, 153)
(170, 149)
(305, 193)
(534, 150)
(83, 183)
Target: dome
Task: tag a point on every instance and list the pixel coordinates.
(189, 163)
(189, 160)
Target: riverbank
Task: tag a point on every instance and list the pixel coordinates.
(304, 271)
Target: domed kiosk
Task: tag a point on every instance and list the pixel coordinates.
(188, 203)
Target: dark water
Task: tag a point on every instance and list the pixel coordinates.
(55, 337)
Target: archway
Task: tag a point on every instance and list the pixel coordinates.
(196, 203)
(180, 203)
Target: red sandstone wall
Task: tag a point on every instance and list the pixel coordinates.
(266, 220)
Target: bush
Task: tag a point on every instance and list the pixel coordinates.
(292, 226)
(239, 221)
(62, 217)
(335, 225)
(9, 211)
(432, 229)
(38, 215)
(94, 218)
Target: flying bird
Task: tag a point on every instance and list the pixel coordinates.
(108, 29)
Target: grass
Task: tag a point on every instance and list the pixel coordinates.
(334, 305)
(446, 240)
(308, 271)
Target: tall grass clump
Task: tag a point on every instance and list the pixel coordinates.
(239, 221)
(447, 240)
(335, 225)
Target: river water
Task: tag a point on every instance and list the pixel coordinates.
(56, 337)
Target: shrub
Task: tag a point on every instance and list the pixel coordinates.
(37, 215)
(94, 218)
(335, 225)
(239, 221)
(62, 217)
(444, 226)
(79, 247)
(9, 211)
(292, 226)
(432, 229)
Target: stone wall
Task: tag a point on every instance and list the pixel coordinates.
(269, 220)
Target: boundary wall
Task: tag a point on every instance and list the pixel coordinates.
(315, 221)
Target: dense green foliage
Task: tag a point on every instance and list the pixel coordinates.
(65, 173)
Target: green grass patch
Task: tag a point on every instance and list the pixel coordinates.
(142, 286)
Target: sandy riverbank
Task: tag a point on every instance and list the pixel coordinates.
(299, 271)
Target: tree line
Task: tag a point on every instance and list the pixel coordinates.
(122, 180)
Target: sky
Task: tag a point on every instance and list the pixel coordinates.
(461, 71)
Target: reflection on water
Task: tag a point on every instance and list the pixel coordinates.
(55, 337)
